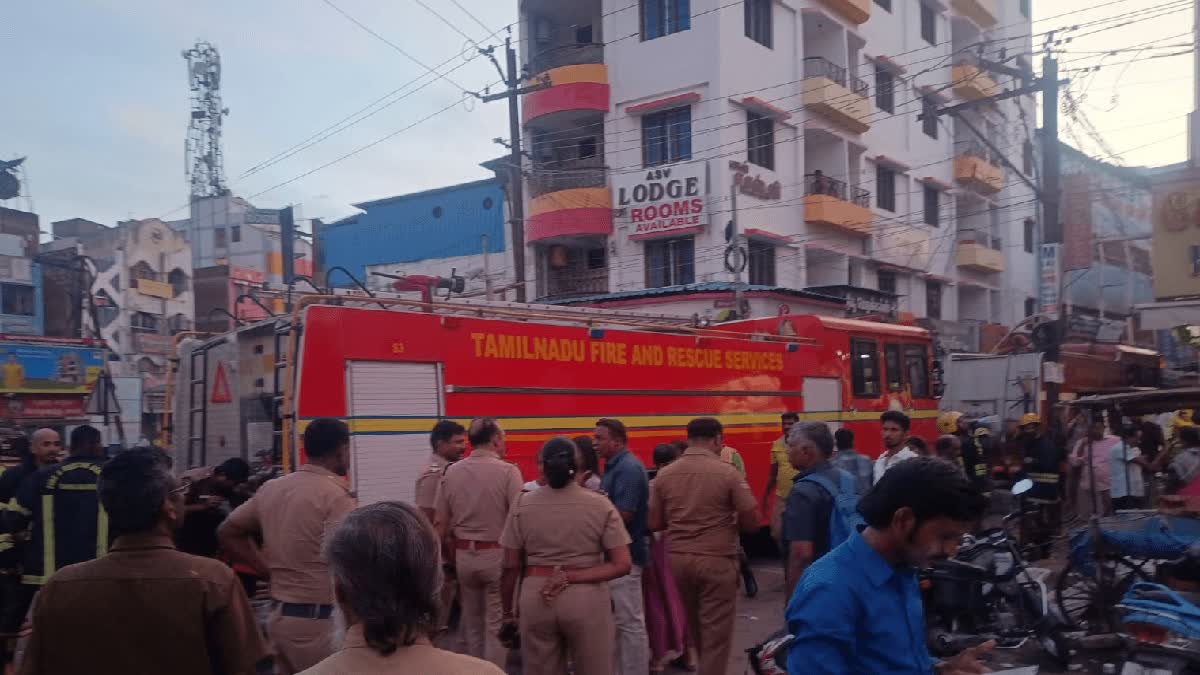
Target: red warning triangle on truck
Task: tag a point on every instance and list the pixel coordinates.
(220, 389)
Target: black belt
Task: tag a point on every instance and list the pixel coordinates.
(305, 611)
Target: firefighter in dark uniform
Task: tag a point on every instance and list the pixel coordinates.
(975, 444)
(14, 598)
(60, 509)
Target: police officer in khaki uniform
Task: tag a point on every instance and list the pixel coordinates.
(564, 532)
(702, 502)
(473, 501)
(448, 440)
(293, 515)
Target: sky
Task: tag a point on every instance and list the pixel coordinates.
(95, 94)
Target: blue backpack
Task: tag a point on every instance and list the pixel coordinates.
(844, 518)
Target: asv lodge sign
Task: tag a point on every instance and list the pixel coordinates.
(662, 200)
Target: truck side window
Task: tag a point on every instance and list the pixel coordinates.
(916, 367)
(891, 367)
(864, 367)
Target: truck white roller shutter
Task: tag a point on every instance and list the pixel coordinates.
(385, 465)
(823, 395)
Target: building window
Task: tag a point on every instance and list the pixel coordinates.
(17, 299)
(583, 35)
(1025, 8)
(670, 262)
(1030, 306)
(928, 24)
(762, 263)
(1027, 157)
(663, 17)
(758, 20)
(864, 368)
(587, 147)
(1029, 225)
(437, 212)
(178, 280)
(933, 299)
(178, 323)
(1196, 261)
(885, 4)
(887, 281)
(929, 118)
(885, 98)
(219, 240)
(760, 140)
(597, 258)
(667, 136)
(885, 188)
(932, 206)
(140, 270)
(144, 322)
(235, 233)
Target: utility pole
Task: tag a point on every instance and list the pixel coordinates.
(512, 77)
(1052, 228)
(737, 262)
(1049, 192)
(487, 268)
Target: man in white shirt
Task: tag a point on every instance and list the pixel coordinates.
(1125, 461)
(895, 436)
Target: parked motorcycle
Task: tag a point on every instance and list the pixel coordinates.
(1160, 622)
(987, 591)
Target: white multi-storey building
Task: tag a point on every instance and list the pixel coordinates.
(664, 121)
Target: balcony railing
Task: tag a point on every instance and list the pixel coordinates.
(819, 66)
(982, 238)
(567, 55)
(572, 284)
(820, 184)
(975, 149)
(567, 175)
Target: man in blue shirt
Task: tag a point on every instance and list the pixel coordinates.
(626, 484)
(857, 610)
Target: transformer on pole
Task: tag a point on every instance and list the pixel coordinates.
(205, 161)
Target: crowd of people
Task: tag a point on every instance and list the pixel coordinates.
(599, 565)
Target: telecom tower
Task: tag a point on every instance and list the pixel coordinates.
(205, 162)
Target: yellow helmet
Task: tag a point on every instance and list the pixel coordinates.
(948, 422)
(1030, 418)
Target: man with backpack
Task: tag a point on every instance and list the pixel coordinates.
(821, 508)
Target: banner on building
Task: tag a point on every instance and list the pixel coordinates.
(45, 407)
(667, 199)
(152, 343)
(1049, 280)
(41, 369)
(1077, 222)
(155, 289)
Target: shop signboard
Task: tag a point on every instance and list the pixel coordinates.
(48, 369)
(662, 200)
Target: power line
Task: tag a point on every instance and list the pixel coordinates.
(394, 46)
(474, 18)
(444, 20)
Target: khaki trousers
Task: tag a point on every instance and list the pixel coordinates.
(299, 643)
(578, 622)
(708, 586)
(479, 595)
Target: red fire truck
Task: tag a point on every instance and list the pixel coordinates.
(392, 370)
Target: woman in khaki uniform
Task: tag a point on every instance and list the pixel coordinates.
(571, 542)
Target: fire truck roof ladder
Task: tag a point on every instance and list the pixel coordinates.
(516, 311)
(281, 335)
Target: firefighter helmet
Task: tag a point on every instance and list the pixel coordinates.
(948, 422)
(1030, 418)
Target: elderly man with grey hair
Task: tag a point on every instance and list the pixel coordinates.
(386, 568)
(810, 503)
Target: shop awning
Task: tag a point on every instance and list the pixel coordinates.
(1167, 315)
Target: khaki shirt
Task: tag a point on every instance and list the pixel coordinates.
(572, 527)
(475, 495)
(144, 608)
(294, 513)
(700, 496)
(427, 482)
(356, 658)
